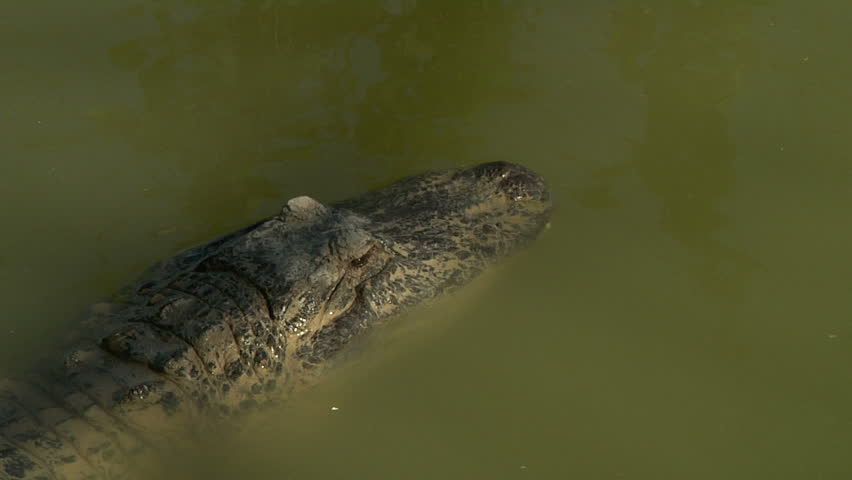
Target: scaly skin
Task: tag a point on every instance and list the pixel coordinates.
(247, 319)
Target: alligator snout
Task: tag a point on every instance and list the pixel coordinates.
(520, 183)
(515, 181)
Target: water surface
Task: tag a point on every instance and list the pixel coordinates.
(686, 316)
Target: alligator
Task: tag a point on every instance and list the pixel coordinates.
(250, 318)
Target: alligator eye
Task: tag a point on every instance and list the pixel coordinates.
(362, 260)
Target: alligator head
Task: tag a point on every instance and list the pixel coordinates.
(329, 272)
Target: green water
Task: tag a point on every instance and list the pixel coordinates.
(687, 316)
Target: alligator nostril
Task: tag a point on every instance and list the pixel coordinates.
(514, 186)
(522, 185)
(494, 169)
(515, 181)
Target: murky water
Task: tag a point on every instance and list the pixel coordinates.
(686, 316)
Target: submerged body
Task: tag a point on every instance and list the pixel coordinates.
(248, 318)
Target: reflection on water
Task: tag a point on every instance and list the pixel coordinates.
(236, 89)
(688, 60)
(686, 316)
